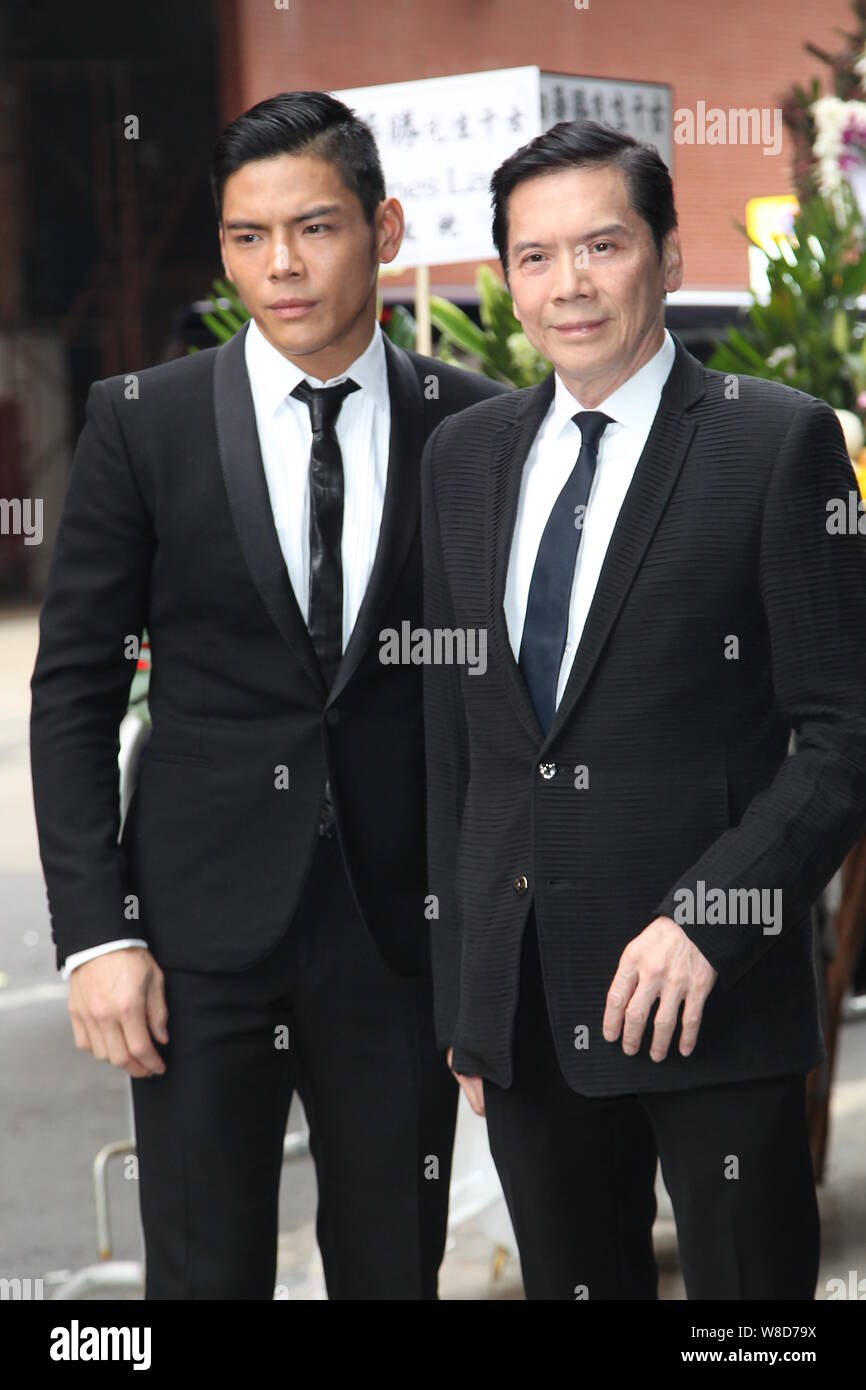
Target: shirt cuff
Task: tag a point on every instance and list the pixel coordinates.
(79, 957)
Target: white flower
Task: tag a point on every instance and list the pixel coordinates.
(832, 117)
(784, 353)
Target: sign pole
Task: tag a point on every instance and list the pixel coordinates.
(423, 329)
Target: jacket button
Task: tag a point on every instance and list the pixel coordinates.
(547, 770)
(333, 716)
(521, 884)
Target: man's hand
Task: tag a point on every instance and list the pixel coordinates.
(471, 1086)
(661, 963)
(115, 1002)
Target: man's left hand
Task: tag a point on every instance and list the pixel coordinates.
(661, 963)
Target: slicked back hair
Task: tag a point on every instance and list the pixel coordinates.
(576, 145)
(308, 123)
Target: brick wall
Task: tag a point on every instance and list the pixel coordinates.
(742, 54)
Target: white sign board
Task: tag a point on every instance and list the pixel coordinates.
(440, 140)
(640, 109)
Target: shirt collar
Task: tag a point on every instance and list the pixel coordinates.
(633, 404)
(273, 376)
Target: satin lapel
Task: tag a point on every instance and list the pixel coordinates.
(400, 511)
(658, 467)
(510, 449)
(249, 500)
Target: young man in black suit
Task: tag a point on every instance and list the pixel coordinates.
(647, 543)
(260, 928)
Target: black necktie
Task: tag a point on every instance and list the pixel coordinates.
(326, 534)
(326, 523)
(546, 624)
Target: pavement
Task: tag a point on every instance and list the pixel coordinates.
(60, 1106)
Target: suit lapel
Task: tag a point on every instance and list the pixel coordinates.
(510, 449)
(249, 500)
(400, 511)
(657, 470)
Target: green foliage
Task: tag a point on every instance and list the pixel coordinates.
(499, 347)
(224, 322)
(138, 691)
(400, 327)
(810, 334)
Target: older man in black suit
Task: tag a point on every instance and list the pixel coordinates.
(625, 858)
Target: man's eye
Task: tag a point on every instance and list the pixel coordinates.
(245, 237)
(318, 227)
(533, 256)
(602, 243)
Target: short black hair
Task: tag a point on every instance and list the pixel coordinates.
(310, 123)
(574, 144)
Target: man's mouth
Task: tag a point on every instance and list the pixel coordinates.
(579, 329)
(291, 308)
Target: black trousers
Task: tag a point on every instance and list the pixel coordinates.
(578, 1175)
(379, 1099)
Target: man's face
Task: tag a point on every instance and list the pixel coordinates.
(295, 242)
(585, 279)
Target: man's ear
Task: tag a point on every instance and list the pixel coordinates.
(674, 265)
(389, 226)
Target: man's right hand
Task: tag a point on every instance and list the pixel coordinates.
(116, 1001)
(471, 1086)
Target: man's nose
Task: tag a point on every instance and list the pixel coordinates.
(284, 260)
(573, 280)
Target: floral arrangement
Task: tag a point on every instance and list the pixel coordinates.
(840, 145)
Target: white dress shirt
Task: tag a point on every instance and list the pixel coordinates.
(632, 408)
(285, 435)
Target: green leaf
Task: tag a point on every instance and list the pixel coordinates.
(458, 327)
(401, 327)
(220, 331)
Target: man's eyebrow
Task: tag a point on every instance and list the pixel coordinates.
(612, 229)
(235, 224)
(323, 210)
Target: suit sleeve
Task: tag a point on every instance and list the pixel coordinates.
(96, 599)
(796, 832)
(447, 763)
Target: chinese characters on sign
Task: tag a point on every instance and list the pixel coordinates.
(440, 140)
(641, 109)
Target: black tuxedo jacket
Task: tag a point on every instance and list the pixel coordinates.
(722, 533)
(167, 524)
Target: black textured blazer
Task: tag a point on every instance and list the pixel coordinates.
(167, 524)
(723, 532)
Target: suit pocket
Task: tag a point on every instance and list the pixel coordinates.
(180, 759)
